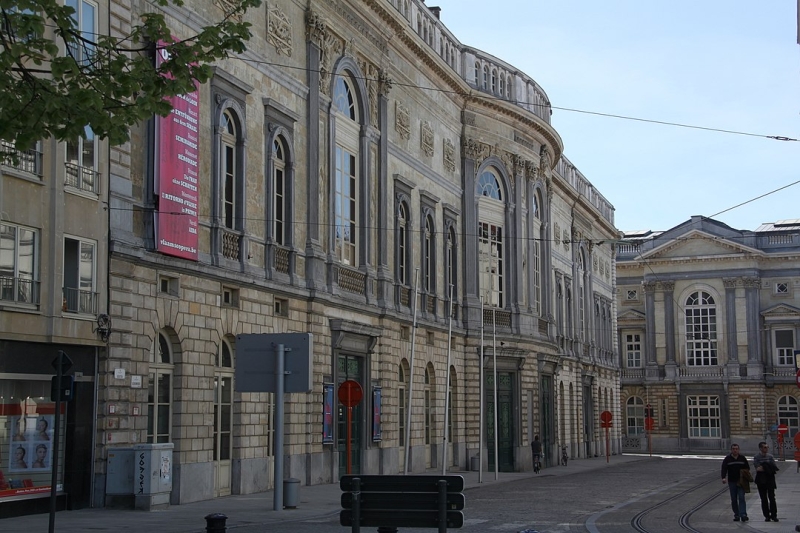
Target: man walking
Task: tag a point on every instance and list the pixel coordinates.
(732, 466)
(536, 448)
(765, 481)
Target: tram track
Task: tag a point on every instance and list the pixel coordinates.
(638, 524)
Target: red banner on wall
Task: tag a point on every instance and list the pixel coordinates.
(176, 174)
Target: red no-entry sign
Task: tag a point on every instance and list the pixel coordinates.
(798, 378)
(350, 393)
(606, 416)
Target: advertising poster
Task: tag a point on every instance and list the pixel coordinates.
(30, 447)
(176, 174)
(327, 413)
(377, 434)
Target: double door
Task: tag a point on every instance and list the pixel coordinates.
(350, 368)
(505, 421)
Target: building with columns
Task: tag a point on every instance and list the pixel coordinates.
(708, 330)
(357, 173)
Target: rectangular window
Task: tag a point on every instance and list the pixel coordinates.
(159, 406)
(345, 224)
(537, 278)
(19, 269)
(745, 413)
(85, 19)
(79, 277)
(281, 307)
(662, 413)
(168, 285)
(703, 416)
(781, 288)
(632, 295)
(428, 424)
(490, 242)
(81, 163)
(401, 414)
(230, 297)
(28, 161)
(279, 201)
(784, 347)
(633, 350)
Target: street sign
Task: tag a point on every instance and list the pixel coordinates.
(782, 429)
(648, 423)
(256, 355)
(63, 360)
(606, 416)
(797, 378)
(67, 388)
(350, 393)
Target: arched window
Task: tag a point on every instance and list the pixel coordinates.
(788, 414)
(452, 272)
(581, 285)
(494, 81)
(279, 199)
(346, 183)
(230, 170)
(223, 407)
(701, 329)
(508, 87)
(634, 412)
(451, 424)
(428, 257)
(428, 406)
(402, 244)
(538, 228)
(486, 77)
(477, 73)
(402, 401)
(502, 85)
(159, 390)
(490, 239)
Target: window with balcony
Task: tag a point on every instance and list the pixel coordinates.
(490, 239)
(19, 269)
(26, 161)
(279, 196)
(633, 350)
(429, 257)
(80, 294)
(81, 163)
(346, 177)
(784, 347)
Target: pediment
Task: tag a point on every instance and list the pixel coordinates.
(781, 311)
(630, 316)
(698, 244)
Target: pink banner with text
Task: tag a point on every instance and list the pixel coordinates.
(176, 175)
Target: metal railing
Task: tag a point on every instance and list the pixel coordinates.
(29, 161)
(19, 290)
(78, 301)
(352, 280)
(82, 178)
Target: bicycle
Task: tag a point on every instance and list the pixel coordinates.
(537, 465)
(564, 456)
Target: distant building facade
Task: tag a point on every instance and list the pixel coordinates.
(708, 331)
(356, 170)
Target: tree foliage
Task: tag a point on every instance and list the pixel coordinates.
(55, 80)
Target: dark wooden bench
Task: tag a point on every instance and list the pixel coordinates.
(390, 502)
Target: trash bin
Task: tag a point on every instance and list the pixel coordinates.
(474, 463)
(291, 492)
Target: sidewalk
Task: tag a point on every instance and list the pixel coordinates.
(319, 501)
(787, 496)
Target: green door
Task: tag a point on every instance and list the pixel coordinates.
(505, 421)
(350, 367)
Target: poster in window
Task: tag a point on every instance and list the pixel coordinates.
(327, 413)
(377, 435)
(30, 447)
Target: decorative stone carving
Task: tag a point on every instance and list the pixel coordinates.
(565, 239)
(279, 31)
(475, 150)
(449, 155)
(228, 7)
(729, 283)
(402, 120)
(667, 286)
(371, 72)
(384, 83)
(751, 283)
(426, 138)
(608, 270)
(546, 158)
(594, 263)
(649, 286)
(556, 231)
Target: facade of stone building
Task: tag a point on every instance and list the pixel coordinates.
(708, 333)
(359, 174)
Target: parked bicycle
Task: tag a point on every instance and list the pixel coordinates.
(564, 456)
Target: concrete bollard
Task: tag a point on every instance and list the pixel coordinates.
(215, 523)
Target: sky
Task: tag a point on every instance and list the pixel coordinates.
(718, 64)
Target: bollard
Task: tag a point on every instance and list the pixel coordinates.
(387, 529)
(215, 523)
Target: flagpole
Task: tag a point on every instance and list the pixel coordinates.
(494, 364)
(411, 375)
(480, 410)
(447, 398)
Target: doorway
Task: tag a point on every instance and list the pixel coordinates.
(350, 367)
(505, 421)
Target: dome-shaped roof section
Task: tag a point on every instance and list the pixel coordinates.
(480, 70)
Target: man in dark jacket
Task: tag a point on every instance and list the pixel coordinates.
(765, 481)
(732, 465)
(536, 448)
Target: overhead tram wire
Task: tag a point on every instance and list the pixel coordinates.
(490, 97)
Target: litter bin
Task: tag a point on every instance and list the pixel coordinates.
(474, 463)
(291, 492)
